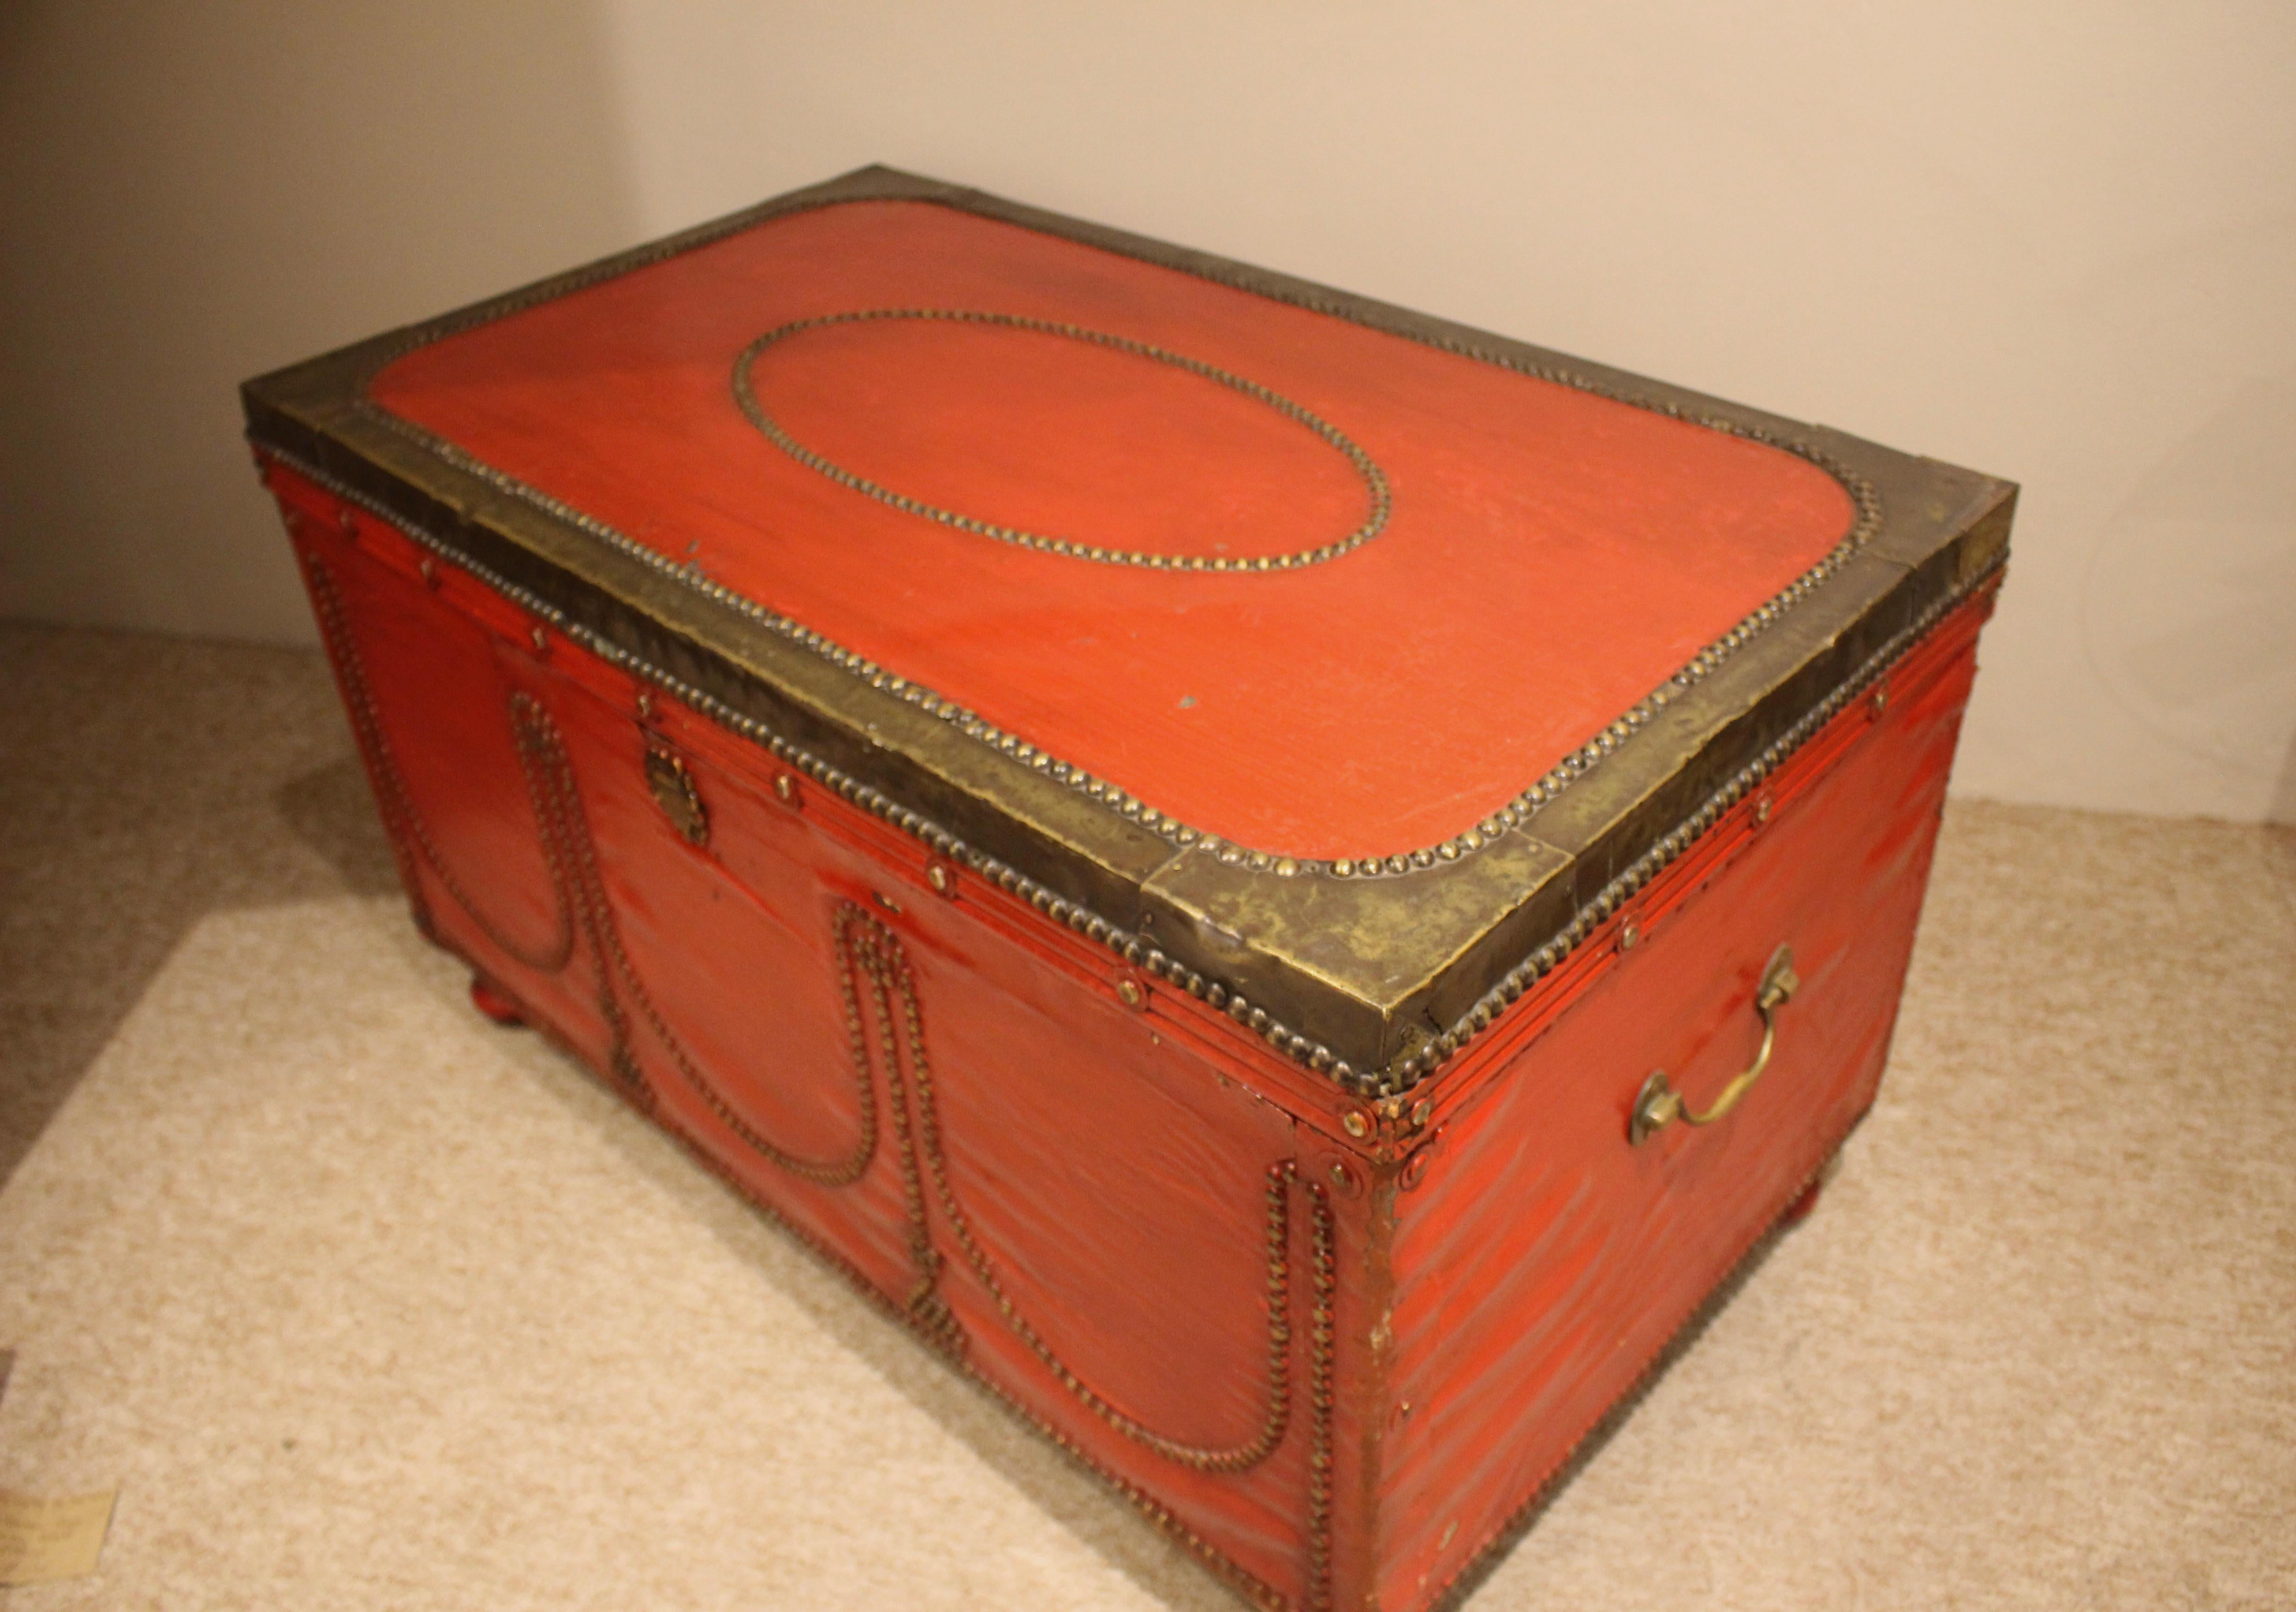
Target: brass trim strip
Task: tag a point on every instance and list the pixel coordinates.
(1374, 479)
(1389, 1083)
(1410, 1071)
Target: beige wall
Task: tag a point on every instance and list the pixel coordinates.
(193, 193)
(2055, 244)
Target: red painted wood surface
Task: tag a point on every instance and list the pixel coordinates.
(1094, 1242)
(1542, 1260)
(1552, 556)
(1112, 1175)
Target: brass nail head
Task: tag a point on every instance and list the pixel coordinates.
(941, 879)
(785, 788)
(1761, 811)
(884, 901)
(1421, 1112)
(645, 706)
(429, 569)
(1354, 1123)
(1629, 932)
(541, 639)
(1880, 698)
(1129, 992)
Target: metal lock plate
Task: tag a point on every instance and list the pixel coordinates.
(674, 792)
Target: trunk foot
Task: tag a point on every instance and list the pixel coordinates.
(493, 1004)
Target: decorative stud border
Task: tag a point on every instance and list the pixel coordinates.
(1160, 1516)
(1390, 1082)
(1574, 767)
(866, 943)
(1374, 479)
(867, 949)
(410, 836)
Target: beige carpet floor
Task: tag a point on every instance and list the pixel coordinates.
(365, 1303)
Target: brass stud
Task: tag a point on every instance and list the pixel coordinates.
(429, 568)
(1761, 811)
(941, 879)
(884, 901)
(645, 706)
(541, 640)
(1629, 932)
(1354, 1122)
(785, 788)
(1421, 1112)
(1131, 993)
(1879, 699)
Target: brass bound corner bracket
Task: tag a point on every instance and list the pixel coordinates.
(1658, 1105)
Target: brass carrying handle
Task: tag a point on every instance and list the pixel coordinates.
(1658, 1105)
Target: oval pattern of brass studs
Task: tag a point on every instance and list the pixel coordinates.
(1374, 479)
(1863, 493)
(674, 792)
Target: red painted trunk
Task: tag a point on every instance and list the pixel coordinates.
(948, 885)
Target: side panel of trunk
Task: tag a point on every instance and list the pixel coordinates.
(1542, 1258)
